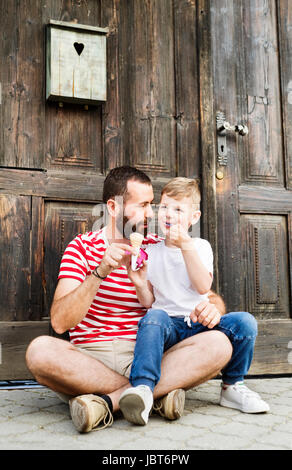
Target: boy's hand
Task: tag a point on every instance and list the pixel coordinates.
(179, 236)
(206, 313)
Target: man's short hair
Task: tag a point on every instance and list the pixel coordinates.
(115, 184)
(181, 187)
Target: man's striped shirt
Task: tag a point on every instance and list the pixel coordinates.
(115, 310)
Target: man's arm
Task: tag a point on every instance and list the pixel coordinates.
(71, 302)
(217, 301)
(72, 298)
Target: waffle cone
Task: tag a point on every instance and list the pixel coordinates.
(136, 239)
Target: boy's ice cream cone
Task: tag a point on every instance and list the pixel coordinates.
(136, 240)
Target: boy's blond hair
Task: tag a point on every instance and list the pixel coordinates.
(181, 187)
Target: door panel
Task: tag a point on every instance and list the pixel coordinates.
(254, 199)
(265, 265)
(15, 257)
(63, 222)
(264, 156)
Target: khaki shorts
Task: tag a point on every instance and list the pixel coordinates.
(117, 355)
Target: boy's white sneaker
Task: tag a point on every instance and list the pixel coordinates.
(136, 404)
(241, 398)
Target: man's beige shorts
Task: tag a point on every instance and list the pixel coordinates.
(117, 355)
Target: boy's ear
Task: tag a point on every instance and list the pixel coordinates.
(196, 217)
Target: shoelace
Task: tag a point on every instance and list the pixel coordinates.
(107, 419)
(157, 407)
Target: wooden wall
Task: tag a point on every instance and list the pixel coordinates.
(53, 159)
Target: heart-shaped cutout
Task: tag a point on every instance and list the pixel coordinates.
(78, 47)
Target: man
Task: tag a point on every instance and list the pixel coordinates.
(97, 303)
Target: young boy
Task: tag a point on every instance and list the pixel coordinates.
(176, 278)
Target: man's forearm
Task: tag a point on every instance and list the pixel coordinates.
(68, 311)
(218, 301)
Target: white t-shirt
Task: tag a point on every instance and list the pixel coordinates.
(168, 275)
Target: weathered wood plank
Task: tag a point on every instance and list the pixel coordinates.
(208, 141)
(226, 48)
(14, 340)
(15, 260)
(149, 103)
(8, 59)
(22, 85)
(59, 185)
(262, 199)
(37, 255)
(285, 46)
(273, 346)
(112, 111)
(187, 88)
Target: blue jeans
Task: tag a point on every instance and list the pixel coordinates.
(158, 332)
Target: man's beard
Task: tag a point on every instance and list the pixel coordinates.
(125, 226)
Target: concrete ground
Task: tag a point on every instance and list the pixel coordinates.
(37, 419)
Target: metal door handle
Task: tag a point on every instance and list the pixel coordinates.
(225, 126)
(222, 127)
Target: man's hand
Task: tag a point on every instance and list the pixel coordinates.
(139, 277)
(206, 313)
(115, 255)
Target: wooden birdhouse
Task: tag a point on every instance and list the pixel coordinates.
(76, 63)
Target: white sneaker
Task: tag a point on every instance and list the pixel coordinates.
(136, 404)
(241, 398)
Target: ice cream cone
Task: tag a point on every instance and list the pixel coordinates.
(136, 240)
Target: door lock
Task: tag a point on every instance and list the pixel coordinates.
(222, 127)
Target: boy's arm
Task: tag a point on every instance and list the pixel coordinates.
(145, 294)
(199, 275)
(143, 287)
(201, 279)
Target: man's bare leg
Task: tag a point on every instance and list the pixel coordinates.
(60, 366)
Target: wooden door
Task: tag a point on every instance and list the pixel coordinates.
(251, 66)
(53, 160)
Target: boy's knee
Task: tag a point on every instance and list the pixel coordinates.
(155, 317)
(246, 325)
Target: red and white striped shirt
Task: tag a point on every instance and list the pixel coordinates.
(115, 310)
